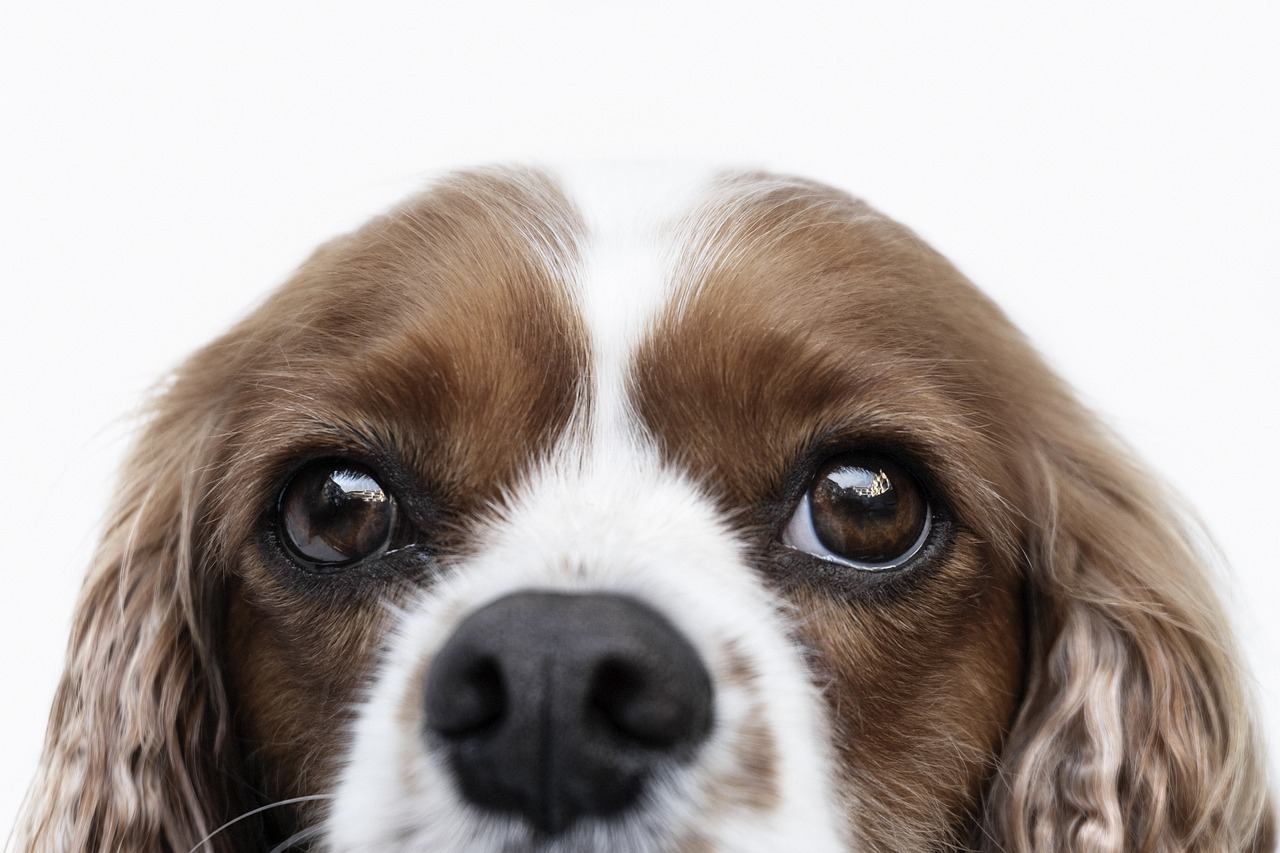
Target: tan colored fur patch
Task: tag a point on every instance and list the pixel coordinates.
(809, 321)
(440, 336)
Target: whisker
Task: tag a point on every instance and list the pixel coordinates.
(308, 798)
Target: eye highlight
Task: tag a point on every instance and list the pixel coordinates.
(334, 513)
(861, 510)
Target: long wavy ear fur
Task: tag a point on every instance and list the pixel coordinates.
(1135, 733)
(139, 755)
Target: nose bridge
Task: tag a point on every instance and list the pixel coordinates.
(610, 507)
(614, 520)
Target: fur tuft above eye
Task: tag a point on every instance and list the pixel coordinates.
(864, 511)
(334, 513)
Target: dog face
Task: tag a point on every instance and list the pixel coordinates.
(720, 514)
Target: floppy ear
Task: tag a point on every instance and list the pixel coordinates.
(139, 753)
(1135, 732)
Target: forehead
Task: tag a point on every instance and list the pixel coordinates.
(504, 314)
(747, 313)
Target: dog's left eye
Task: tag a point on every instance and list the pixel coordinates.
(334, 513)
(861, 510)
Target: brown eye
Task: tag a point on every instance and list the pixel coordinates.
(333, 513)
(863, 511)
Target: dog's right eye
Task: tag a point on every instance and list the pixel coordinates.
(335, 513)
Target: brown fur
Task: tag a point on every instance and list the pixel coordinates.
(199, 685)
(811, 318)
(1063, 680)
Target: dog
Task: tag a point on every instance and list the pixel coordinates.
(633, 512)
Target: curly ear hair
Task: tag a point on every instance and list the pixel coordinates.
(1135, 733)
(139, 753)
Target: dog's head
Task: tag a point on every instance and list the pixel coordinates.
(539, 515)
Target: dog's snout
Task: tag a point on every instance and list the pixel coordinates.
(557, 706)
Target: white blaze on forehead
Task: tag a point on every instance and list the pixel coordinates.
(634, 237)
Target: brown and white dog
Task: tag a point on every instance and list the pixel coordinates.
(566, 513)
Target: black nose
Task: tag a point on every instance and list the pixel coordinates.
(555, 706)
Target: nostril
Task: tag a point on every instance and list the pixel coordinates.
(648, 709)
(465, 696)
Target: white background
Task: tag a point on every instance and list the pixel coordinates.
(1107, 171)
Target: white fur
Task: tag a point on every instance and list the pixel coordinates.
(604, 514)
